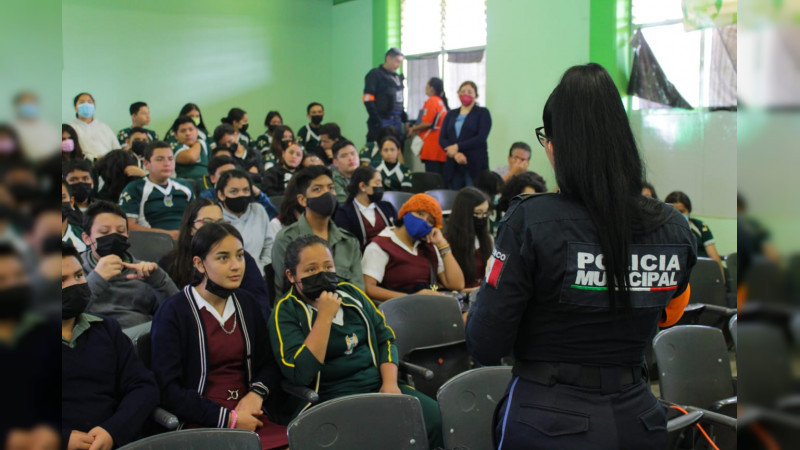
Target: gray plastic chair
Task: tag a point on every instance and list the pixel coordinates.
(364, 421)
(467, 403)
(445, 197)
(732, 330)
(708, 283)
(732, 263)
(429, 331)
(425, 181)
(199, 439)
(141, 343)
(764, 366)
(149, 246)
(765, 281)
(396, 198)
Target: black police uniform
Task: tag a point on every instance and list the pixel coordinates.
(579, 377)
(383, 98)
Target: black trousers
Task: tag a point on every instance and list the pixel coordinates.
(560, 416)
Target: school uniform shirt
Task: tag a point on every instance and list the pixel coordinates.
(95, 137)
(702, 234)
(262, 143)
(73, 236)
(365, 222)
(201, 134)
(433, 112)
(124, 133)
(103, 382)
(395, 266)
(196, 170)
(276, 179)
(340, 182)
(370, 155)
(155, 206)
(309, 139)
(252, 225)
(396, 177)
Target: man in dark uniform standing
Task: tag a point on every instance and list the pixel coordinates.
(383, 96)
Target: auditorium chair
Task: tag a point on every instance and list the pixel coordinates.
(445, 197)
(396, 198)
(425, 181)
(202, 438)
(149, 246)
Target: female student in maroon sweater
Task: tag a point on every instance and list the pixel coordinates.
(210, 347)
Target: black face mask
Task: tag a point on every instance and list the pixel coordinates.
(80, 191)
(271, 128)
(238, 205)
(51, 244)
(218, 290)
(66, 210)
(243, 128)
(74, 300)
(316, 119)
(324, 205)
(480, 223)
(315, 285)
(14, 302)
(137, 147)
(112, 244)
(376, 196)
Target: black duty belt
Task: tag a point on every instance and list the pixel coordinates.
(608, 379)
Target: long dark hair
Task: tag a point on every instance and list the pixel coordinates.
(597, 164)
(269, 117)
(179, 265)
(678, 197)
(111, 168)
(363, 174)
(292, 258)
(437, 85)
(206, 238)
(78, 152)
(234, 115)
(187, 108)
(289, 204)
(277, 141)
(461, 233)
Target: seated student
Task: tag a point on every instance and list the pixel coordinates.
(413, 257)
(70, 145)
(123, 287)
(329, 134)
(178, 262)
(282, 137)
(491, 184)
(316, 193)
(156, 202)
(467, 231)
(648, 190)
(311, 159)
(78, 175)
(372, 155)
(220, 164)
(329, 336)
(140, 118)
(211, 349)
(191, 153)
(519, 158)
(237, 118)
(308, 134)
(277, 176)
(70, 227)
(290, 211)
(192, 111)
(106, 391)
(345, 162)
(396, 176)
(114, 171)
(706, 248)
(235, 195)
(271, 122)
(137, 141)
(245, 158)
(523, 183)
(364, 213)
(96, 137)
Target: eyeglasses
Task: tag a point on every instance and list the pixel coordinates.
(541, 136)
(207, 220)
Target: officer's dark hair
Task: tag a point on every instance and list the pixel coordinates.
(75, 100)
(363, 174)
(234, 115)
(136, 106)
(521, 146)
(437, 85)
(461, 233)
(678, 197)
(597, 164)
(311, 105)
(649, 186)
(332, 130)
(340, 144)
(77, 164)
(392, 52)
(101, 207)
(137, 130)
(228, 175)
(219, 161)
(222, 130)
(151, 147)
(304, 177)
(207, 237)
(270, 116)
(180, 121)
(292, 258)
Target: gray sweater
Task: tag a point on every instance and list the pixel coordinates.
(131, 302)
(253, 227)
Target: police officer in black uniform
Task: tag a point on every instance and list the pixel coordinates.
(383, 96)
(578, 283)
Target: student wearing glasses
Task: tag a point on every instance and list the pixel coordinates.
(178, 262)
(467, 231)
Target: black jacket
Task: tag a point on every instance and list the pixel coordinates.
(471, 141)
(348, 217)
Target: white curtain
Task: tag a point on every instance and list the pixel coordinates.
(420, 69)
(464, 66)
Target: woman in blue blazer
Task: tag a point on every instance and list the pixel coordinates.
(463, 138)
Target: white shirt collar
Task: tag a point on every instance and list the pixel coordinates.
(363, 208)
(389, 232)
(202, 303)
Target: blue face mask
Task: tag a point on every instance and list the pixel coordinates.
(29, 110)
(416, 227)
(86, 110)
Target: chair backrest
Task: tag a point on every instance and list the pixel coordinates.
(763, 364)
(397, 198)
(693, 365)
(793, 276)
(708, 283)
(148, 245)
(425, 181)
(276, 200)
(467, 403)
(732, 263)
(361, 421)
(202, 438)
(445, 197)
(794, 328)
(765, 281)
(421, 321)
(732, 329)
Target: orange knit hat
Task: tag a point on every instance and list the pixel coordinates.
(423, 202)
